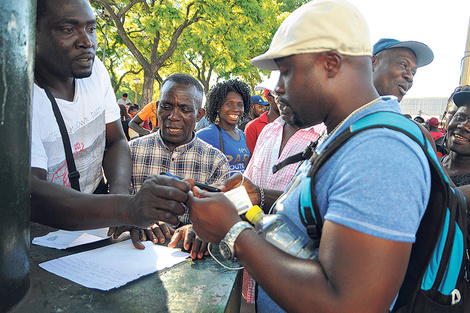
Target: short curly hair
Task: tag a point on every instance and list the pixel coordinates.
(218, 93)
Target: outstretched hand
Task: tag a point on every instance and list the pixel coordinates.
(191, 241)
(237, 180)
(156, 233)
(212, 214)
(159, 199)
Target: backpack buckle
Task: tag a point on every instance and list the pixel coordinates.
(312, 231)
(74, 175)
(310, 150)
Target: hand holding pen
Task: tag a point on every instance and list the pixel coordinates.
(199, 185)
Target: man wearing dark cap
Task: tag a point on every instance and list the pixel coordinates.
(363, 194)
(254, 127)
(395, 63)
(259, 106)
(457, 162)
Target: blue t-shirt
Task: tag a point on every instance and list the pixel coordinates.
(377, 183)
(236, 151)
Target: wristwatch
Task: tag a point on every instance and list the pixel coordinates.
(226, 245)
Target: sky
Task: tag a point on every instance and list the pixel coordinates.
(442, 25)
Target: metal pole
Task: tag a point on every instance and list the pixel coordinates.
(17, 41)
(465, 70)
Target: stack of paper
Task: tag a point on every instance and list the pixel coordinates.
(63, 239)
(114, 265)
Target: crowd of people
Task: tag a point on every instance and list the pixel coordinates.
(325, 76)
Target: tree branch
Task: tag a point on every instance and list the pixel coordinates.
(118, 20)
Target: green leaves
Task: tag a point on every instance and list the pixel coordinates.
(205, 38)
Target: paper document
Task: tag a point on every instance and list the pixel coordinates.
(63, 239)
(114, 265)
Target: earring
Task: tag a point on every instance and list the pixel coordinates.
(217, 120)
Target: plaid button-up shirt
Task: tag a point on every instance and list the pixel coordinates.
(196, 159)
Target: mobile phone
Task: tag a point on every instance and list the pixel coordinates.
(200, 185)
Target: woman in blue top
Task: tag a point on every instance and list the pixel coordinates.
(227, 103)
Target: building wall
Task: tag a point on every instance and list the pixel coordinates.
(425, 107)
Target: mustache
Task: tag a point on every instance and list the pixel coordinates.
(84, 55)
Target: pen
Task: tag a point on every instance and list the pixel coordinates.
(200, 185)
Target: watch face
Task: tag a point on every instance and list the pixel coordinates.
(225, 250)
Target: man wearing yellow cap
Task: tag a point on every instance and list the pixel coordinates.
(323, 53)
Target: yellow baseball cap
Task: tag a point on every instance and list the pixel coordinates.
(319, 26)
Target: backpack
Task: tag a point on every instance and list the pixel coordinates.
(436, 279)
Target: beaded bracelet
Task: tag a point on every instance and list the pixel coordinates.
(261, 193)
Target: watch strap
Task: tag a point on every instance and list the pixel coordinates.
(232, 236)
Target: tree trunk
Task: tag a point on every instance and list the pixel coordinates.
(147, 88)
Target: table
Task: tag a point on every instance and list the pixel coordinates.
(191, 286)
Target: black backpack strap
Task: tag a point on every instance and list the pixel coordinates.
(74, 175)
(221, 141)
(304, 155)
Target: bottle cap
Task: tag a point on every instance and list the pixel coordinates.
(251, 213)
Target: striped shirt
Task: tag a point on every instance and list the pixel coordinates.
(266, 154)
(260, 168)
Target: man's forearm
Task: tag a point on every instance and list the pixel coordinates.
(117, 167)
(336, 281)
(139, 129)
(270, 197)
(117, 162)
(61, 207)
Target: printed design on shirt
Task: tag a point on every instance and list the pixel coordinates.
(88, 154)
(237, 162)
(62, 173)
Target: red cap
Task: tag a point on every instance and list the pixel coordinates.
(266, 93)
(434, 122)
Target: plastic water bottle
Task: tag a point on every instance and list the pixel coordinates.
(280, 231)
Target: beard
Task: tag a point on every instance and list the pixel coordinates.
(291, 117)
(81, 74)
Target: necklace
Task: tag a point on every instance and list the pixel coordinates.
(325, 135)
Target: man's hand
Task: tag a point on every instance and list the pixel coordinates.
(235, 181)
(159, 199)
(191, 241)
(117, 231)
(212, 214)
(158, 232)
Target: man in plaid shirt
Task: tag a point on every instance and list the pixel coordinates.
(176, 149)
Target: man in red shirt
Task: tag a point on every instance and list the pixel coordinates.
(433, 124)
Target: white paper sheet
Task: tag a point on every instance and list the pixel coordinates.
(114, 265)
(63, 239)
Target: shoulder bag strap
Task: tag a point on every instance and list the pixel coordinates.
(220, 139)
(74, 175)
(304, 155)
